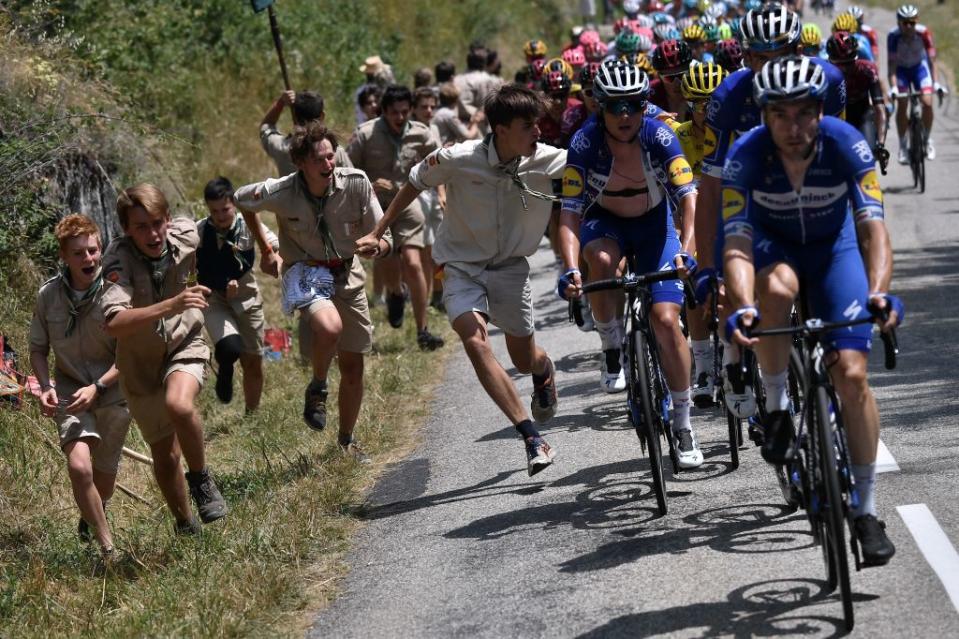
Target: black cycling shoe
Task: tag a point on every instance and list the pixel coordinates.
(394, 309)
(779, 438)
(876, 547)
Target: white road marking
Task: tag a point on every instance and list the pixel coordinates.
(885, 462)
(935, 547)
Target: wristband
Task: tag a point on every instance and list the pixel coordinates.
(101, 388)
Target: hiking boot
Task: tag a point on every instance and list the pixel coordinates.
(427, 341)
(539, 454)
(353, 450)
(702, 393)
(877, 550)
(188, 527)
(209, 502)
(224, 383)
(687, 449)
(779, 438)
(612, 377)
(314, 406)
(543, 402)
(395, 303)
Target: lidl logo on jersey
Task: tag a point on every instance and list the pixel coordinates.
(709, 140)
(733, 203)
(680, 173)
(869, 183)
(572, 182)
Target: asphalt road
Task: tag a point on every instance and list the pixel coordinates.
(460, 542)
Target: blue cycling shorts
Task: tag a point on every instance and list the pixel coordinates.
(651, 239)
(918, 77)
(834, 277)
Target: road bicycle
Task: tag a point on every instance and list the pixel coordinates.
(916, 136)
(647, 396)
(820, 474)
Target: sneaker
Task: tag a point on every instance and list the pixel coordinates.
(740, 399)
(395, 303)
(612, 377)
(903, 155)
(428, 341)
(188, 527)
(930, 150)
(687, 449)
(209, 502)
(539, 454)
(779, 438)
(314, 406)
(877, 550)
(224, 383)
(353, 450)
(702, 393)
(544, 399)
(83, 531)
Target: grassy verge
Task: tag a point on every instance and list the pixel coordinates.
(256, 573)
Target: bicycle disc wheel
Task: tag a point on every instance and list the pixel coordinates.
(643, 394)
(831, 507)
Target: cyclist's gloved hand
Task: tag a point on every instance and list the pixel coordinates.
(940, 90)
(567, 279)
(703, 283)
(686, 260)
(738, 321)
(892, 305)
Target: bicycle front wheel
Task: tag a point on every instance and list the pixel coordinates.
(831, 506)
(642, 394)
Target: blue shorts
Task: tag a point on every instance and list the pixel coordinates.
(918, 76)
(834, 277)
(651, 240)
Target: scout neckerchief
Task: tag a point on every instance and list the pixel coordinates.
(511, 169)
(75, 307)
(229, 237)
(319, 203)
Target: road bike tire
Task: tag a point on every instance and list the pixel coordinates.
(639, 358)
(735, 429)
(917, 155)
(831, 508)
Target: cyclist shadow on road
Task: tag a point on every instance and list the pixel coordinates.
(764, 608)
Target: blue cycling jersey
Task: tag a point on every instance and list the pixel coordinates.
(756, 190)
(732, 111)
(589, 164)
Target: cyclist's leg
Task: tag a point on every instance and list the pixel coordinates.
(600, 235)
(903, 84)
(923, 82)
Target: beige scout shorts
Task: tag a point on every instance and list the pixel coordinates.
(350, 302)
(107, 424)
(149, 410)
(501, 293)
(407, 230)
(223, 319)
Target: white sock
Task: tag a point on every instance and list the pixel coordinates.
(610, 333)
(775, 386)
(680, 410)
(703, 356)
(727, 352)
(903, 144)
(865, 476)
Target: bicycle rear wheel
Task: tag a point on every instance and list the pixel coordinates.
(917, 155)
(831, 514)
(641, 394)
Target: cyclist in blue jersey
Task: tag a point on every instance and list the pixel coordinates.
(787, 189)
(768, 33)
(622, 171)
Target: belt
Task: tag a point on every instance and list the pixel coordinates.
(331, 264)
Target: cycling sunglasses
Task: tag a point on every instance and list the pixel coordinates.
(625, 106)
(699, 106)
(911, 23)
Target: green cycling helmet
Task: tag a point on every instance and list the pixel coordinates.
(627, 42)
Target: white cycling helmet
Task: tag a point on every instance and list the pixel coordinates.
(770, 28)
(631, 7)
(791, 77)
(856, 12)
(619, 79)
(907, 12)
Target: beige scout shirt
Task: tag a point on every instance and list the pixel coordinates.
(277, 146)
(450, 127)
(348, 210)
(87, 354)
(486, 221)
(375, 149)
(129, 284)
(474, 86)
(248, 293)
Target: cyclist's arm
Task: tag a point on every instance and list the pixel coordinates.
(876, 252)
(676, 176)
(706, 219)
(739, 274)
(574, 200)
(569, 238)
(930, 52)
(877, 98)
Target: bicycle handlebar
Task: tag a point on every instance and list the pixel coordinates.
(631, 282)
(817, 326)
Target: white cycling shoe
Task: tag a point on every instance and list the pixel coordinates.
(687, 449)
(742, 405)
(612, 382)
(903, 155)
(930, 150)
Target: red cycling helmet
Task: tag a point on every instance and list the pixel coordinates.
(575, 56)
(620, 24)
(842, 47)
(672, 56)
(587, 73)
(556, 82)
(596, 51)
(654, 5)
(536, 68)
(729, 54)
(590, 35)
